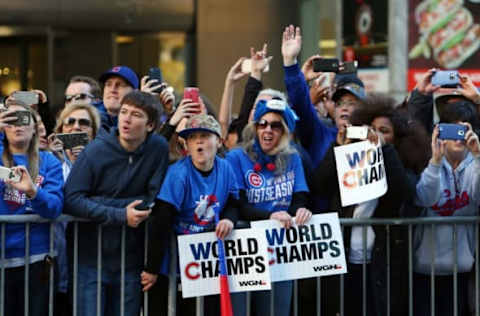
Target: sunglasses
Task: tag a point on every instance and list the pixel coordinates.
(82, 122)
(275, 125)
(78, 97)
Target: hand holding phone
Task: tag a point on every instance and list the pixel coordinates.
(22, 118)
(247, 66)
(155, 73)
(71, 140)
(144, 206)
(192, 93)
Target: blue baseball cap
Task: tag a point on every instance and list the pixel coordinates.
(279, 106)
(349, 84)
(123, 72)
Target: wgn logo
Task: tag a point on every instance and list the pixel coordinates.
(252, 283)
(327, 267)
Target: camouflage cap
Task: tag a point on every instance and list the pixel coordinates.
(201, 122)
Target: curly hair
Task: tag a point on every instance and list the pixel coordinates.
(410, 138)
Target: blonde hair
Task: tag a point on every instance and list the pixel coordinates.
(92, 112)
(282, 152)
(32, 150)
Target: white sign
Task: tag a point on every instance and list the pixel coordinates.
(311, 250)
(246, 261)
(361, 172)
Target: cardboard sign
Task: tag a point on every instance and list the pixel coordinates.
(311, 250)
(361, 172)
(246, 260)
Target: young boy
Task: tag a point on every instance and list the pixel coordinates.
(193, 189)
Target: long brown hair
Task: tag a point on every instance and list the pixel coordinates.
(32, 150)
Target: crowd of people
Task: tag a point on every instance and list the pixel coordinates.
(150, 160)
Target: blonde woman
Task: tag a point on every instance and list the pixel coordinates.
(39, 191)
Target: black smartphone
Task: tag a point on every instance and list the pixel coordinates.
(325, 65)
(71, 140)
(349, 67)
(156, 73)
(145, 205)
(23, 118)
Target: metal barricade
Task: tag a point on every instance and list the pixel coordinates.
(28, 220)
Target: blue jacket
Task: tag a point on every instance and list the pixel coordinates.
(315, 136)
(103, 181)
(47, 203)
(107, 122)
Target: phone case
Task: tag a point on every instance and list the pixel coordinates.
(23, 118)
(27, 97)
(9, 174)
(357, 132)
(325, 65)
(71, 140)
(451, 131)
(191, 93)
(156, 73)
(446, 78)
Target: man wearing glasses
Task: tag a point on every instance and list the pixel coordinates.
(82, 89)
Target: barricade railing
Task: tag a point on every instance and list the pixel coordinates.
(411, 223)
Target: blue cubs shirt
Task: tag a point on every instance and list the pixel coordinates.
(185, 188)
(264, 189)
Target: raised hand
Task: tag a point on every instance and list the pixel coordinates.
(291, 45)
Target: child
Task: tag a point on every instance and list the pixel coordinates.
(193, 188)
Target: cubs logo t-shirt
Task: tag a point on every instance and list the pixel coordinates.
(265, 189)
(188, 190)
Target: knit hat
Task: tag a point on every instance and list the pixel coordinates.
(278, 106)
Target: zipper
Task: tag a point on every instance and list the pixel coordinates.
(130, 160)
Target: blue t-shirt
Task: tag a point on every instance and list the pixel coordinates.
(264, 189)
(187, 189)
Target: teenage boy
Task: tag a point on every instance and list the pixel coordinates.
(194, 189)
(110, 178)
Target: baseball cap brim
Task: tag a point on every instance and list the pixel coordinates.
(359, 92)
(184, 133)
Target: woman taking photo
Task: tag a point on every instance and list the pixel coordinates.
(76, 118)
(267, 160)
(38, 191)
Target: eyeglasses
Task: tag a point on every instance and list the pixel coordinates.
(78, 97)
(275, 125)
(82, 122)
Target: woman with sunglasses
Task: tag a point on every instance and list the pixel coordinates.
(75, 118)
(38, 191)
(272, 186)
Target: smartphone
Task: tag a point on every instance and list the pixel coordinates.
(145, 205)
(27, 97)
(349, 67)
(451, 131)
(247, 66)
(325, 65)
(446, 78)
(9, 174)
(23, 118)
(192, 93)
(357, 132)
(156, 73)
(71, 140)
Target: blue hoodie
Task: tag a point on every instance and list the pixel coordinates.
(103, 181)
(315, 136)
(47, 203)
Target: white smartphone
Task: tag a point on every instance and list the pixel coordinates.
(357, 132)
(247, 66)
(9, 174)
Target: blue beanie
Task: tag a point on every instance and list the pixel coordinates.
(278, 106)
